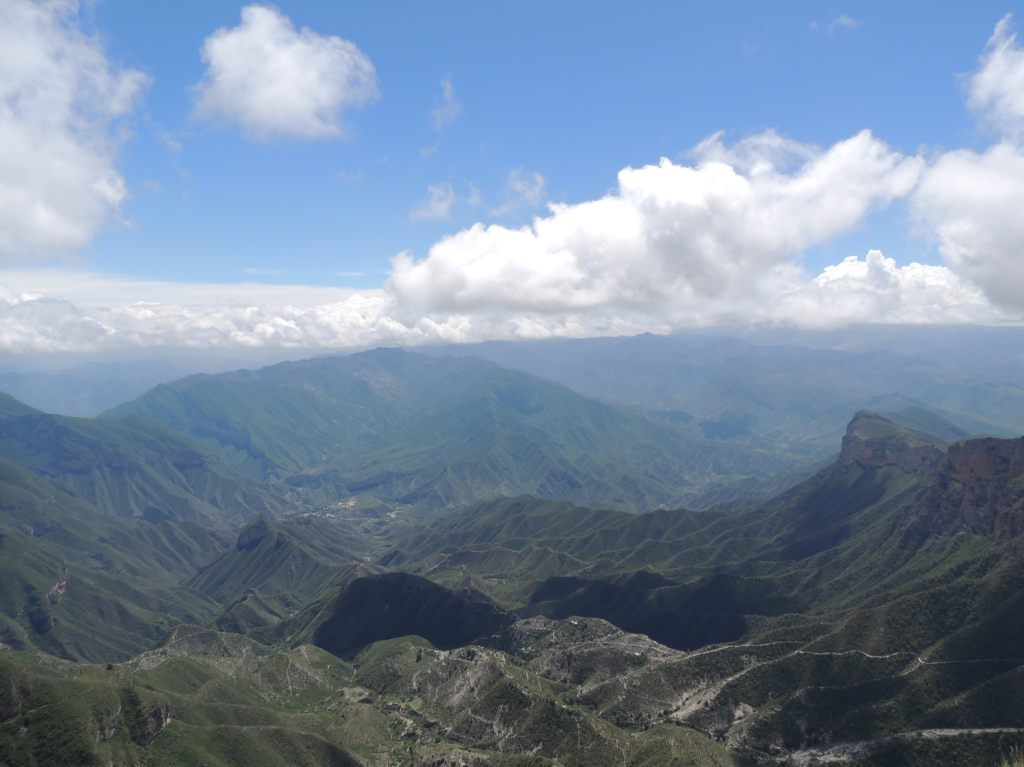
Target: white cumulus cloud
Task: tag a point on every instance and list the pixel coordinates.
(669, 237)
(972, 200)
(996, 90)
(60, 98)
(60, 310)
(523, 190)
(875, 290)
(973, 203)
(276, 81)
(436, 205)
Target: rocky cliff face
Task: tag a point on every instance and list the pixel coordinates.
(977, 485)
(979, 488)
(873, 442)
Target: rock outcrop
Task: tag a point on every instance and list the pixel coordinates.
(873, 442)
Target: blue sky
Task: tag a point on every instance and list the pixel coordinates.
(546, 103)
(572, 91)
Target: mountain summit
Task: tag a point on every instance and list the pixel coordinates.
(873, 441)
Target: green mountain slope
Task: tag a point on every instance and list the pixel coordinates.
(11, 407)
(875, 604)
(276, 567)
(99, 524)
(434, 433)
(869, 614)
(131, 468)
(80, 584)
(112, 532)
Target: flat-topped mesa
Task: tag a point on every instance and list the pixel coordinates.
(872, 442)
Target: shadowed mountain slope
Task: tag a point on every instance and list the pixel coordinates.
(389, 605)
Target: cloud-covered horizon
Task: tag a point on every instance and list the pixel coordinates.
(717, 239)
(36, 315)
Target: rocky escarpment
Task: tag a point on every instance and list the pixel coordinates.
(874, 442)
(979, 488)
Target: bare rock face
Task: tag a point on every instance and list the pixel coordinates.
(873, 442)
(979, 489)
(977, 485)
(983, 463)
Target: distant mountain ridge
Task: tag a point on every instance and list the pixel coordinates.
(798, 398)
(434, 433)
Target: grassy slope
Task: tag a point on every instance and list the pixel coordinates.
(276, 567)
(82, 584)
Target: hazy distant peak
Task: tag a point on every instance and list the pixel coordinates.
(12, 408)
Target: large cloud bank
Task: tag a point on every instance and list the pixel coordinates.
(717, 239)
(869, 289)
(672, 237)
(973, 200)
